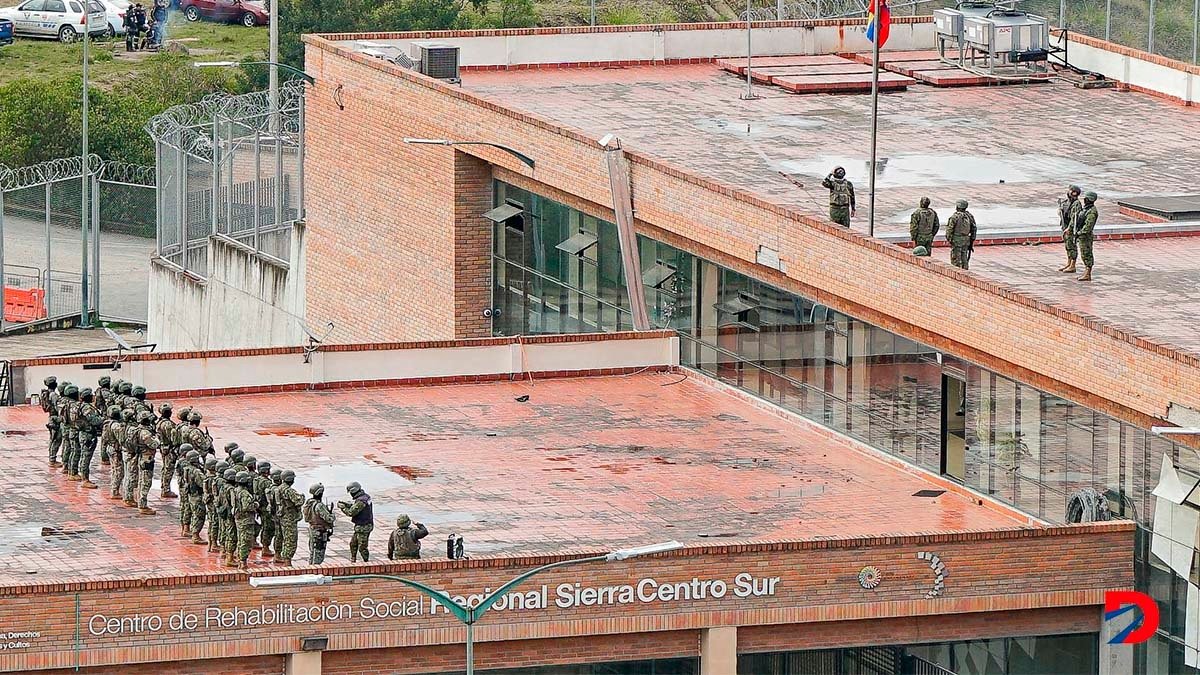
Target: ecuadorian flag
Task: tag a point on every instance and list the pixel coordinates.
(885, 21)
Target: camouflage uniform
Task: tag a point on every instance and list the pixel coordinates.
(187, 505)
(405, 541)
(262, 488)
(289, 503)
(923, 225)
(841, 197)
(225, 511)
(210, 503)
(193, 434)
(320, 519)
(276, 542)
(1067, 210)
(104, 399)
(113, 438)
(168, 437)
(70, 422)
(49, 401)
(1085, 232)
(90, 422)
(362, 514)
(245, 506)
(146, 443)
(129, 448)
(961, 231)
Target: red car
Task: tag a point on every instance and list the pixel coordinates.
(245, 12)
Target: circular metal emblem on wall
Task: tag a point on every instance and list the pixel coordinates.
(869, 577)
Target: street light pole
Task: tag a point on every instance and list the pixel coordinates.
(274, 57)
(85, 177)
(469, 616)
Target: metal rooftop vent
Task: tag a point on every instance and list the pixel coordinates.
(436, 59)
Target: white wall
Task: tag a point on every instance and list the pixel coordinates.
(648, 45)
(1132, 70)
(245, 302)
(200, 371)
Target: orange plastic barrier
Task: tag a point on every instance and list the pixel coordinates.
(24, 304)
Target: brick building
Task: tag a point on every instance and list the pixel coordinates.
(802, 550)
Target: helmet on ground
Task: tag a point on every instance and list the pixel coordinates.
(288, 476)
(104, 382)
(86, 394)
(961, 205)
(194, 417)
(921, 251)
(924, 202)
(403, 520)
(1089, 196)
(354, 489)
(51, 382)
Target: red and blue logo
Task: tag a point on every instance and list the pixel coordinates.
(1118, 603)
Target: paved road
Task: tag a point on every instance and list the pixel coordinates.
(124, 262)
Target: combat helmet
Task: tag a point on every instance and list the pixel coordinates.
(191, 455)
(104, 382)
(277, 475)
(839, 172)
(403, 520)
(354, 489)
(126, 388)
(289, 477)
(184, 413)
(210, 463)
(264, 468)
(244, 477)
(316, 490)
(145, 417)
(51, 382)
(1089, 196)
(165, 411)
(114, 413)
(249, 462)
(921, 252)
(128, 415)
(961, 205)
(236, 455)
(86, 394)
(138, 392)
(229, 474)
(194, 417)
(71, 392)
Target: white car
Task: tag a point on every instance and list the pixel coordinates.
(62, 19)
(114, 14)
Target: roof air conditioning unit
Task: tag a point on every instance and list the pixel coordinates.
(436, 59)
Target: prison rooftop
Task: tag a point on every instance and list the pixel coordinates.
(584, 463)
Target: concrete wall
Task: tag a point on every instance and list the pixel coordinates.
(1140, 70)
(660, 43)
(268, 368)
(246, 301)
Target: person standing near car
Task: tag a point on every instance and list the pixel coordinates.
(160, 23)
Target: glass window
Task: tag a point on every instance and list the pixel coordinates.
(54, 6)
(33, 6)
(76, 8)
(1062, 655)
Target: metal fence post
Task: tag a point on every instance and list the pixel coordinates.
(1150, 32)
(3, 281)
(96, 247)
(158, 196)
(1108, 20)
(278, 177)
(255, 201)
(46, 283)
(216, 173)
(184, 214)
(300, 146)
(231, 153)
(1062, 13)
(1195, 29)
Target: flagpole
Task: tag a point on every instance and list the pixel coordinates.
(874, 117)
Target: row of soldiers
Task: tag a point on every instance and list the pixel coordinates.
(242, 500)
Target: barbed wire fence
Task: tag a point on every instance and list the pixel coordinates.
(52, 268)
(230, 166)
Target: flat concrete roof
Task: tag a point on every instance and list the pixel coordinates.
(1010, 150)
(584, 463)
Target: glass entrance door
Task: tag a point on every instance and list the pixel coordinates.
(954, 427)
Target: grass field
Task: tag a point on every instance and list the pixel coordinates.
(110, 64)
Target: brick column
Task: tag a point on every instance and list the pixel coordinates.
(302, 663)
(472, 246)
(718, 651)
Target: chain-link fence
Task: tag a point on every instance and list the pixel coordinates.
(230, 166)
(55, 263)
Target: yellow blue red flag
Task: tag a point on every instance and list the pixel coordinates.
(881, 8)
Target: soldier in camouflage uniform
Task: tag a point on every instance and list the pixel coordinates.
(273, 508)
(405, 541)
(923, 225)
(209, 501)
(289, 504)
(262, 489)
(146, 442)
(114, 432)
(237, 459)
(70, 413)
(250, 466)
(90, 423)
(139, 401)
(195, 492)
(216, 521)
(170, 442)
(49, 402)
(126, 396)
(320, 519)
(841, 197)
(245, 507)
(229, 529)
(1067, 210)
(960, 232)
(198, 437)
(1085, 232)
(104, 399)
(362, 514)
(129, 449)
(183, 469)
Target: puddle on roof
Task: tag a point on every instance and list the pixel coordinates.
(13, 537)
(934, 170)
(288, 429)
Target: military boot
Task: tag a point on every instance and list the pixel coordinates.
(89, 485)
(241, 564)
(146, 511)
(266, 552)
(1087, 275)
(229, 561)
(54, 464)
(74, 477)
(197, 540)
(1070, 268)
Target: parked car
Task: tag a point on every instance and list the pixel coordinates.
(245, 12)
(63, 19)
(6, 32)
(114, 14)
